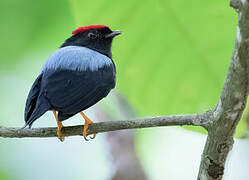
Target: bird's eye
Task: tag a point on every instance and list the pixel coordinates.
(91, 35)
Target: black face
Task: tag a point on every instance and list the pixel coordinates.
(96, 39)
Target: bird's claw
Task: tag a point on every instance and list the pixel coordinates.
(86, 138)
(87, 122)
(92, 137)
(61, 138)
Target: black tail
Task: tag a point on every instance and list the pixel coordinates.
(36, 104)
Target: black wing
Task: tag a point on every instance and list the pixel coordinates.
(70, 92)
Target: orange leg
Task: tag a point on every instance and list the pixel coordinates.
(60, 126)
(87, 122)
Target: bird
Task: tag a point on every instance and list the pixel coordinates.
(76, 76)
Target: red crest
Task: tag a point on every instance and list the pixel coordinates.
(84, 28)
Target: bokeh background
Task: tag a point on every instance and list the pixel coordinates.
(172, 58)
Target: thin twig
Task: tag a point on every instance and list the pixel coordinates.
(177, 120)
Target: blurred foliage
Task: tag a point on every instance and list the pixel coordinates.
(171, 59)
(4, 176)
(173, 55)
(27, 27)
(32, 26)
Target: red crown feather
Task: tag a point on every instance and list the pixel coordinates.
(84, 28)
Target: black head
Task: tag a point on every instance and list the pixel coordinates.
(96, 37)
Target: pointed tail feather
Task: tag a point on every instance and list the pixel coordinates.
(42, 106)
(36, 104)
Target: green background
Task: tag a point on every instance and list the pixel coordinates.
(172, 57)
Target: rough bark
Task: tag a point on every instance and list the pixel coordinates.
(220, 122)
(177, 120)
(232, 102)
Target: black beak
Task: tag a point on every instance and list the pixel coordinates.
(113, 34)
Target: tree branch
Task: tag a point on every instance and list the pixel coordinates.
(231, 104)
(220, 122)
(177, 120)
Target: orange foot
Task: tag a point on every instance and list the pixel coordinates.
(87, 122)
(60, 126)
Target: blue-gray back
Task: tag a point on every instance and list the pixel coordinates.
(76, 58)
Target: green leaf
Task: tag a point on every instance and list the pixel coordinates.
(173, 55)
(4, 175)
(32, 26)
